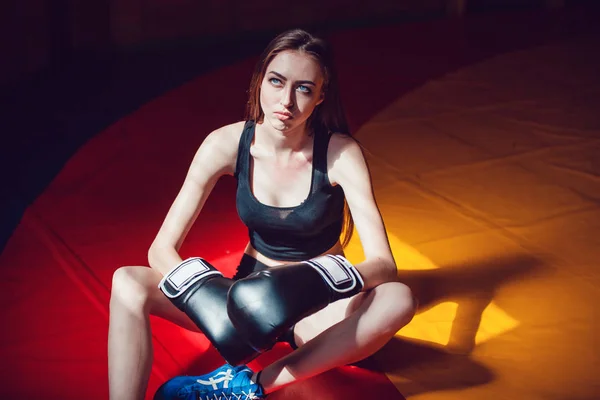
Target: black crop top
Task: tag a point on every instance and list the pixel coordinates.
(291, 233)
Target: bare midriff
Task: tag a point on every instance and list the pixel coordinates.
(252, 252)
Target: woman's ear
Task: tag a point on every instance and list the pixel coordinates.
(321, 98)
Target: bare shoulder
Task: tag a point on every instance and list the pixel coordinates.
(225, 138)
(344, 156)
(343, 149)
(220, 147)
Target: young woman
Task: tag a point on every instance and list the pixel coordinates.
(300, 177)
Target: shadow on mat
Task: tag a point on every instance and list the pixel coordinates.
(419, 366)
(472, 287)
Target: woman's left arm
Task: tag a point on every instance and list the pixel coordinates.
(348, 168)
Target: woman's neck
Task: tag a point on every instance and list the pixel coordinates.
(279, 142)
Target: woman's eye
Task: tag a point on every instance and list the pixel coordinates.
(275, 81)
(304, 89)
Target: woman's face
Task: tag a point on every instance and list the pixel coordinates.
(290, 90)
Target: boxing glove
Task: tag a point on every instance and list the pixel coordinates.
(265, 304)
(200, 290)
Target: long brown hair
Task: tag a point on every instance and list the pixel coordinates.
(329, 116)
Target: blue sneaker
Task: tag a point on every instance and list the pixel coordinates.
(225, 383)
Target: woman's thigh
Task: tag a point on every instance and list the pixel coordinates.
(325, 318)
(133, 285)
(385, 308)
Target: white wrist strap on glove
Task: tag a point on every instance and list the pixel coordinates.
(184, 275)
(338, 272)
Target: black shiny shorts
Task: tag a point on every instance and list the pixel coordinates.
(248, 265)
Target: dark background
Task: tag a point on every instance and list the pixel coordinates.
(70, 68)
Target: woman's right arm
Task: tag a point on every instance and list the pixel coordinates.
(215, 157)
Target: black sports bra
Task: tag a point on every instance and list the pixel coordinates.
(291, 233)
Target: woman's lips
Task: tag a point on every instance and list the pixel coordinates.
(282, 116)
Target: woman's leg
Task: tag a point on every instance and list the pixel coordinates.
(134, 296)
(342, 333)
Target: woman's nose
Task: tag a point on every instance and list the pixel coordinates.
(287, 97)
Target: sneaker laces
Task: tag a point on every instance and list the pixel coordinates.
(242, 396)
(225, 378)
(228, 392)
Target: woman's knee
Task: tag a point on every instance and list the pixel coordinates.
(132, 287)
(395, 303)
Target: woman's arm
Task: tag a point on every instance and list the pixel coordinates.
(348, 168)
(215, 157)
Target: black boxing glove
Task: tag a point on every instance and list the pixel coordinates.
(265, 304)
(200, 290)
